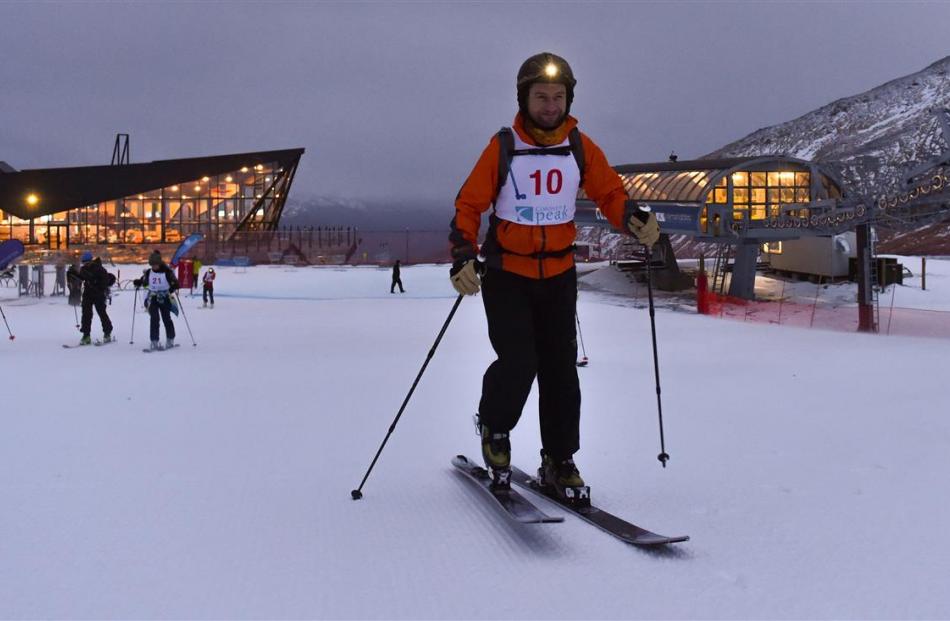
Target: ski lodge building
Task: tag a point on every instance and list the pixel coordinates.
(148, 204)
(749, 203)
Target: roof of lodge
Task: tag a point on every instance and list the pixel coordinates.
(62, 189)
(690, 180)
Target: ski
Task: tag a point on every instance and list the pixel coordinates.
(149, 350)
(101, 343)
(607, 522)
(515, 506)
(76, 346)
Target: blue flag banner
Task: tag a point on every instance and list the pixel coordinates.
(185, 246)
(10, 250)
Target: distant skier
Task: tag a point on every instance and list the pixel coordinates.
(528, 276)
(161, 283)
(95, 288)
(195, 272)
(207, 287)
(396, 279)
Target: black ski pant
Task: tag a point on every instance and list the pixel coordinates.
(396, 281)
(99, 303)
(165, 309)
(208, 291)
(531, 328)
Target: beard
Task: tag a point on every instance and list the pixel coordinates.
(548, 125)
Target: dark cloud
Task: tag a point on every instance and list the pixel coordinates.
(398, 99)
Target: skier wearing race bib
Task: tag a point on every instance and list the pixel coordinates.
(207, 288)
(531, 175)
(161, 283)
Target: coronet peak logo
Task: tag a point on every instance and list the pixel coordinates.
(525, 214)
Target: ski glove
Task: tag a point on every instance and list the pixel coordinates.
(647, 231)
(465, 276)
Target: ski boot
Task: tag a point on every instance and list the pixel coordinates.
(155, 346)
(85, 340)
(107, 338)
(496, 451)
(169, 343)
(204, 305)
(562, 480)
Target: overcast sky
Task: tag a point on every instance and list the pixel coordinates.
(398, 99)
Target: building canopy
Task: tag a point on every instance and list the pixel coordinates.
(40, 192)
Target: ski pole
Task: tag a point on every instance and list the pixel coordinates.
(185, 317)
(76, 315)
(6, 324)
(135, 302)
(583, 362)
(642, 215)
(358, 493)
(663, 456)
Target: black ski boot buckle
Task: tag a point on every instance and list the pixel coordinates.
(577, 496)
(500, 480)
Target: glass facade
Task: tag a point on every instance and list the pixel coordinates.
(678, 185)
(249, 198)
(757, 195)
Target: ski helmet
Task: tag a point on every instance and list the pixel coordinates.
(544, 67)
(86, 256)
(155, 258)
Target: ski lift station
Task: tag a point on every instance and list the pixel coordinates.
(746, 202)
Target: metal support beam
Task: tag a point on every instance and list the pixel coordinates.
(743, 270)
(866, 322)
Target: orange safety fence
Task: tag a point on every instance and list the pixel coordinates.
(822, 315)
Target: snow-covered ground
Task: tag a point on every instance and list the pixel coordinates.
(809, 467)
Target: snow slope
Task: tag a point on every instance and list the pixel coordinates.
(808, 467)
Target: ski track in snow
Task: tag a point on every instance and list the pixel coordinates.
(213, 481)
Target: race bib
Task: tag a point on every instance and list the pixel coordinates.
(157, 282)
(546, 188)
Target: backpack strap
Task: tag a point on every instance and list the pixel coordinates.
(574, 137)
(506, 143)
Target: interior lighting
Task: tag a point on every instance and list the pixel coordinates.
(266, 178)
(206, 179)
(174, 188)
(244, 169)
(32, 199)
(259, 167)
(197, 188)
(228, 179)
(141, 197)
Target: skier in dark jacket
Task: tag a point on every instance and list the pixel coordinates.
(95, 287)
(161, 283)
(396, 279)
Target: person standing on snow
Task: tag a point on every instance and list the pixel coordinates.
(396, 279)
(161, 283)
(195, 272)
(95, 286)
(531, 174)
(207, 287)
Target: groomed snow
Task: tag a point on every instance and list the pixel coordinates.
(810, 468)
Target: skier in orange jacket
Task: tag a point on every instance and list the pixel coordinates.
(530, 175)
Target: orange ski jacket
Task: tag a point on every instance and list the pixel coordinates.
(528, 250)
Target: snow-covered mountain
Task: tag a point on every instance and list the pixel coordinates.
(870, 139)
(367, 214)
